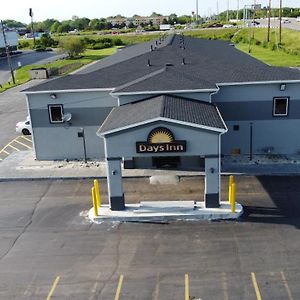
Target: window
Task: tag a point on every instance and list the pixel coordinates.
(280, 107)
(56, 113)
(236, 127)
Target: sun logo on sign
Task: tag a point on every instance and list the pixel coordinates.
(160, 135)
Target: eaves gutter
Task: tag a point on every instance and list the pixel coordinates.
(164, 92)
(68, 91)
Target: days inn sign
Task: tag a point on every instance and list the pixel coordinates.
(161, 140)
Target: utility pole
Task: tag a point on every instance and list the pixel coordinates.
(197, 12)
(227, 10)
(269, 20)
(280, 19)
(32, 28)
(8, 53)
(237, 11)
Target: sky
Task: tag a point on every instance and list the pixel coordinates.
(65, 9)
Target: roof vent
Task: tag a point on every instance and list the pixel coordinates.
(183, 61)
(149, 63)
(169, 65)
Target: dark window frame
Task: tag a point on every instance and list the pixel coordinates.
(287, 106)
(50, 114)
(236, 127)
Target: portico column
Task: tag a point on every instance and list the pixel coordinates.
(115, 184)
(212, 182)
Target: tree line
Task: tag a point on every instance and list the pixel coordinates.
(98, 24)
(86, 24)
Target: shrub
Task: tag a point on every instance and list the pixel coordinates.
(23, 44)
(73, 46)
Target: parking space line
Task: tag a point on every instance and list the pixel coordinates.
(95, 286)
(117, 297)
(255, 285)
(13, 147)
(187, 287)
(6, 152)
(225, 286)
(25, 138)
(287, 288)
(53, 287)
(17, 141)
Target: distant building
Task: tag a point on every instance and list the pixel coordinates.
(138, 20)
(12, 41)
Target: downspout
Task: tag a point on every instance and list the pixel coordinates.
(214, 93)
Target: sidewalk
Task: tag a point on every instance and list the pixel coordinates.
(22, 166)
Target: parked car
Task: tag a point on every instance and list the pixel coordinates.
(215, 25)
(285, 21)
(228, 25)
(298, 19)
(24, 127)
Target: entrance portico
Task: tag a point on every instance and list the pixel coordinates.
(168, 127)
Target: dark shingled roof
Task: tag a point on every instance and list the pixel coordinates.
(207, 63)
(164, 106)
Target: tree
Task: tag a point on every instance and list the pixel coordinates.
(81, 23)
(95, 24)
(154, 15)
(73, 46)
(54, 27)
(65, 26)
(13, 24)
(46, 41)
(173, 19)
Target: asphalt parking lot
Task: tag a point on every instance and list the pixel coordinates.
(50, 250)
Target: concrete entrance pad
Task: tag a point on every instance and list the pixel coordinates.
(166, 210)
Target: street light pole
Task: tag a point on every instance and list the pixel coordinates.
(280, 19)
(8, 53)
(197, 12)
(32, 28)
(269, 21)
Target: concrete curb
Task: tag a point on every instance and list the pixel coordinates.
(91, 177)
(44, 178)
(162, 211)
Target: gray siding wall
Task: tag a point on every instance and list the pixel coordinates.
(242, 105)
(198, 142)
(60, 141)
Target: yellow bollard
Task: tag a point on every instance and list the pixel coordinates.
(231, 181)
(233, 198)
(94, 202)
(97, 192)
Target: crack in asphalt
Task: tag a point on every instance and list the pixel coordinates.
(100, 291)
(28, 223)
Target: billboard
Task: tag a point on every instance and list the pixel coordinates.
(11, 38)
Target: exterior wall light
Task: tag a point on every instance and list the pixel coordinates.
(53, 96)
(283, 87)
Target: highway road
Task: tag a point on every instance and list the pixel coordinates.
(275, 23)
(26, 58)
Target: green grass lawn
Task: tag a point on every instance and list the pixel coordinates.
(290, 38)
(212, 34)
(22, 74)
(273, 58)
